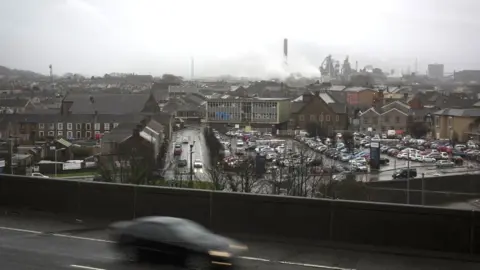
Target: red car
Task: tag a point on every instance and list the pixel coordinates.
(178, 150)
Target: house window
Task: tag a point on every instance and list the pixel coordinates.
(450, 121)
(41, 134)
(386, 119)
(41, 126)
(79, 134)
(97, 126)
(301, 117)
(69, 134)
(69, 126)
(88, 134)
(78, 126)
(397, 119)
(51, 133)
(60, 133)
(88, 126)
(60, 126)
(327, 118)
(51, 126)
(115, 125)
(312, 117)
(106, 126)
(337, 118)
(365, 120)
(437, 121)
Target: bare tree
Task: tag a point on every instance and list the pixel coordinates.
(299, 174)
(244, 176)
(217, 176)
(125, 167)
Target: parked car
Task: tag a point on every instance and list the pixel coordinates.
(35, 174)
(444, 164)
(405, 173)
(180, 240)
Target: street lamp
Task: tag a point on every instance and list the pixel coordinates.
(54, 148)
(191, 161)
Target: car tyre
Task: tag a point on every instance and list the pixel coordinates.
(197, 262)
(130, 254)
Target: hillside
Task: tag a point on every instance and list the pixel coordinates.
(5, 71)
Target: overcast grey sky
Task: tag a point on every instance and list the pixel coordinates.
(238, 37)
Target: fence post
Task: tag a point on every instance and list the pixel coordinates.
(210, 204)
(423, 188)
(134, 214)
(332, 216)
(472, 232)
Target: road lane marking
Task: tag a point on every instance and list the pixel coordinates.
(20, 230)
(315, 266)
(307, 265)
(82, 238)
(254, 259)
(85, 267)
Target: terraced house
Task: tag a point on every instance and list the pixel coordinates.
(391, 116)
(321, 109)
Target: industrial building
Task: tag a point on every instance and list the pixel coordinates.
(436, 71)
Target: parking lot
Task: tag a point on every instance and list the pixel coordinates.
(335, 165)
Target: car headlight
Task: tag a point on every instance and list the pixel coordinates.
(239, 247)
(216, 253)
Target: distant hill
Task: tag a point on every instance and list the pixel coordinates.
(4, 71)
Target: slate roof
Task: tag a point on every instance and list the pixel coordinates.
(107, 103)
(120, 133)
(72, 118)
(13, 102)
(475, 112)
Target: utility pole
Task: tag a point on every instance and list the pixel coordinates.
(408, 178)
(191, 163)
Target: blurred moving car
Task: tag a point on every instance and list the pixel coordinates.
(177, 150)
(182, 163)
(180, 240)
(198, 163)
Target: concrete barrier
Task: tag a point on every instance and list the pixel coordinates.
(382, 225)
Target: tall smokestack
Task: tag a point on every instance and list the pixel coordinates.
(285, 50)
(192, 68)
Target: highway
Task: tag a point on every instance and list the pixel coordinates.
(43, 243)
(200, 152)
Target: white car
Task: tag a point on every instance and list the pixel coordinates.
(39, 175)
(198, 163)
(428, 159)
(185, 140)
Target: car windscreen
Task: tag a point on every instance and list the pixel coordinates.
(190, 230)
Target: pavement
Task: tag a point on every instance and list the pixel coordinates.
(200, 152)
(46, 243)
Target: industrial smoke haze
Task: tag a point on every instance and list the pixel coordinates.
(94, 37)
